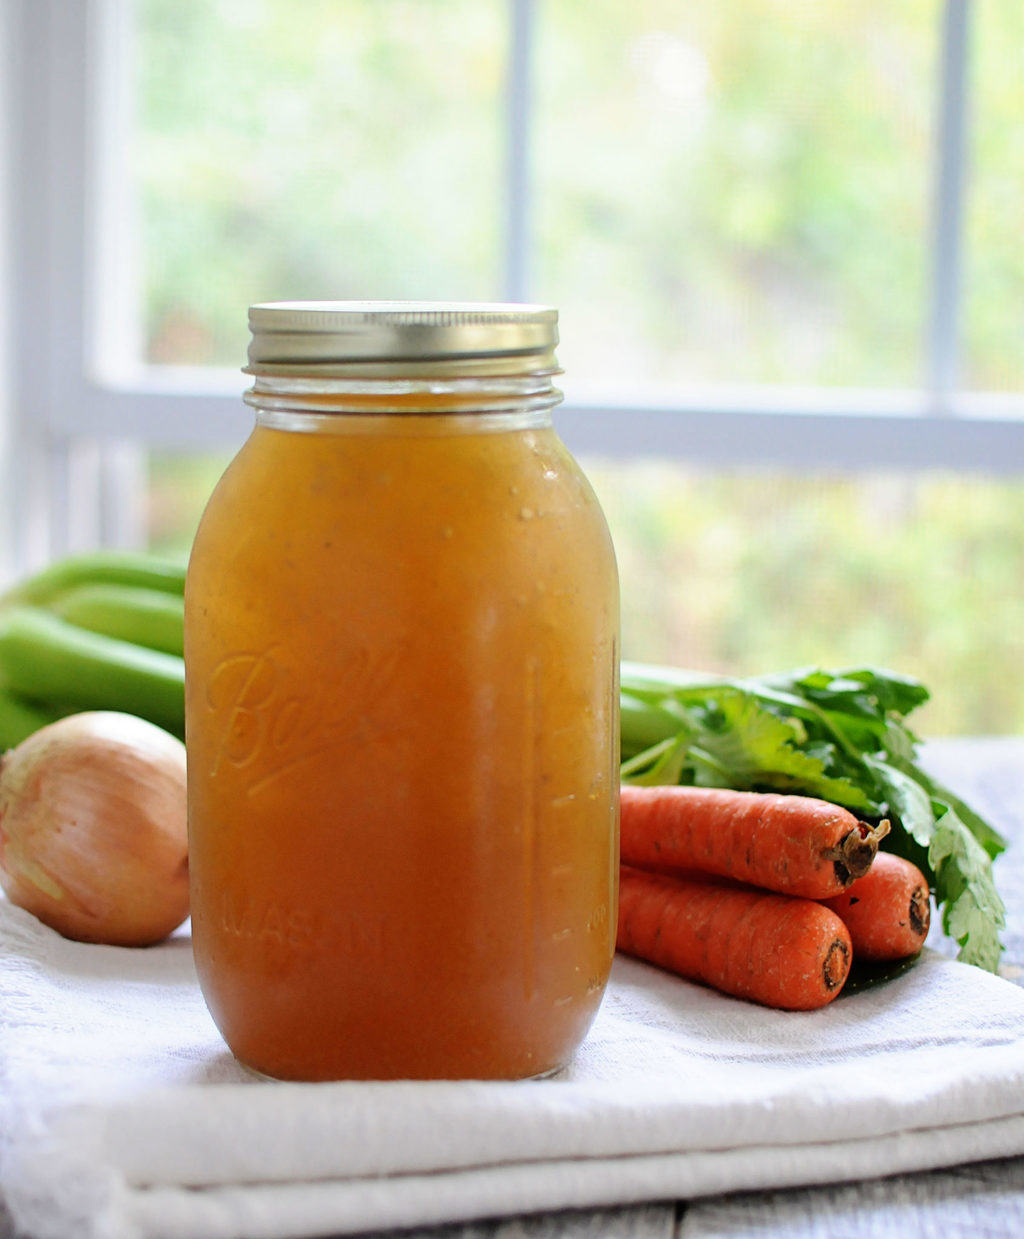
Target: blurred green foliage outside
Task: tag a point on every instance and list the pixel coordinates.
(720, 193)
(732, 192)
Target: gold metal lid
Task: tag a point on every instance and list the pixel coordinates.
(382, 339)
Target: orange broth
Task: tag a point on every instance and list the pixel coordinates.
(402, 733)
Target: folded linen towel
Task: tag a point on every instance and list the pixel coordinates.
(123, 1114)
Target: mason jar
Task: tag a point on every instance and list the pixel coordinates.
(402, 704)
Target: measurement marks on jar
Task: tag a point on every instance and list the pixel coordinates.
(538, 874)
(530, 866)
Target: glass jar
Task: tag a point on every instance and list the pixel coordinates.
(401, 659)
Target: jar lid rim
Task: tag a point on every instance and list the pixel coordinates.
(338, 333)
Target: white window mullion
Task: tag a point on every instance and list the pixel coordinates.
(875, 433)
(112, 268)
(55, 480)
(34, 473)
(519, 109)
(10, 48)
(943, 345)
(74, 466)
(62, 316)
(123, 481)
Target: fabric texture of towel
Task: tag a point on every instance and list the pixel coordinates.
(124, 1116)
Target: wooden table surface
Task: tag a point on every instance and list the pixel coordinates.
(976, 1201)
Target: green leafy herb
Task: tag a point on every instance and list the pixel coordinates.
(838, 735)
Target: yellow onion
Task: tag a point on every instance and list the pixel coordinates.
(93, 836)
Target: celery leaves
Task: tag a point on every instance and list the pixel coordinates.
(837, 735)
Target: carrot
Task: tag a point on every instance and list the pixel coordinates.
(796, 845)
(887, 911)
(773, 949)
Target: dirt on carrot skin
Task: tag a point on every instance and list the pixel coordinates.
(778, 950)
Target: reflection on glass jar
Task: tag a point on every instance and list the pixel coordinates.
(402, 704)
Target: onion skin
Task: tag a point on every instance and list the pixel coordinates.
(93, 835)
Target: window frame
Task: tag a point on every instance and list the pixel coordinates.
(79, 418)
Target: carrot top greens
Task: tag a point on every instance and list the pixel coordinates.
(838, 735)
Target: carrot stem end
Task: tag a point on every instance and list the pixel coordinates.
(853, 855)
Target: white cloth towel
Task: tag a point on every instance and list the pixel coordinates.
(125, 1116)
